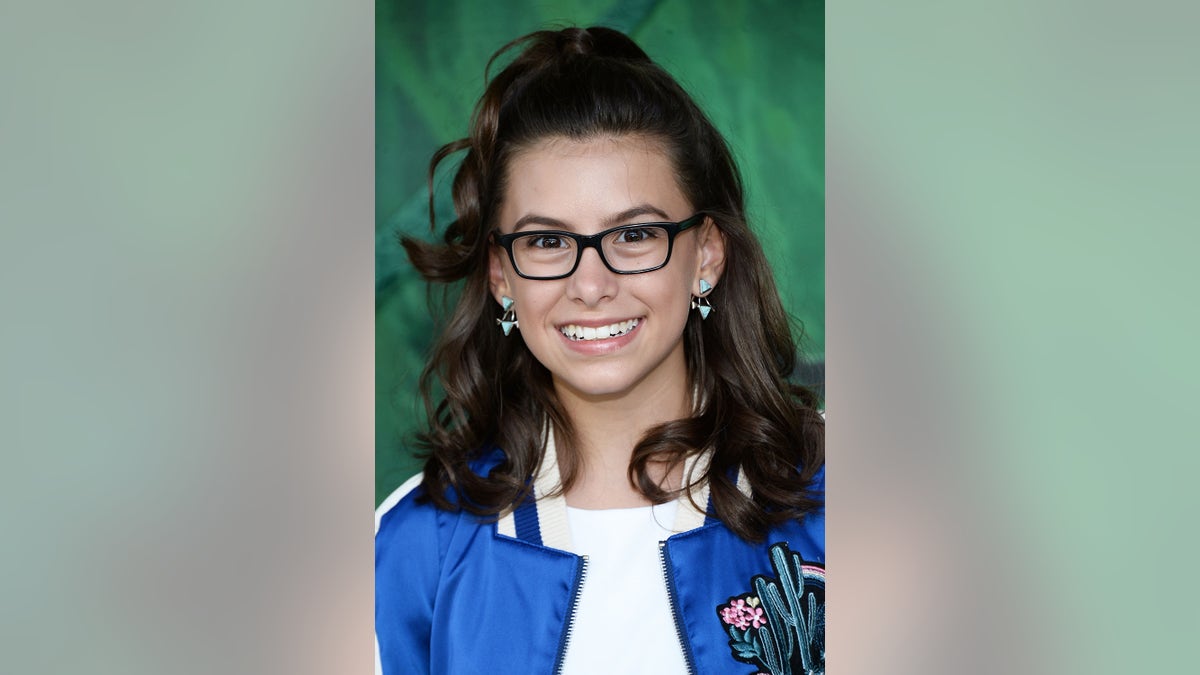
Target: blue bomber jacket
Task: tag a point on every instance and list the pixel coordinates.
(458, 594)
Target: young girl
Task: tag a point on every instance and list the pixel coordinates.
(619, 477)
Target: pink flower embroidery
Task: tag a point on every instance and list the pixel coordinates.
(741, 615)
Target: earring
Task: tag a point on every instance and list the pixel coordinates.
(701, 302)
(509, 320)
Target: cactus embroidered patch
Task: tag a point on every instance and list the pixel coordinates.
(780, 625)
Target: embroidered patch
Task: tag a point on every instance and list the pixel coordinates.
(780, 626)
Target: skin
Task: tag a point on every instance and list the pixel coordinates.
(614, 389)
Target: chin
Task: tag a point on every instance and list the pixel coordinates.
(596, 388)
(595, 392)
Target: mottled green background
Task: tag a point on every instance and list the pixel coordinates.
(757, 68)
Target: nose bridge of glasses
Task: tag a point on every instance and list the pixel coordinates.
(594, 242)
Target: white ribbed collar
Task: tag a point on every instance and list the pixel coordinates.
(551, 504)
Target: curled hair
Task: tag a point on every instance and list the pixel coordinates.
(578, 84)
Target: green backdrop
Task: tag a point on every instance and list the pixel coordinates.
(757, 68)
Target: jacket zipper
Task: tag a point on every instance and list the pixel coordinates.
(665, 559)
(566, 636)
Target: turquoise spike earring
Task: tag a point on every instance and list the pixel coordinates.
(701, 303)
(509, 320)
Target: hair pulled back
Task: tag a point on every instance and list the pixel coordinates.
(581, 83)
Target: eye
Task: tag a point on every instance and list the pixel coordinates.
(544, 241)
(636, 235)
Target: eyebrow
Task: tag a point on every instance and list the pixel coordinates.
(627, 214)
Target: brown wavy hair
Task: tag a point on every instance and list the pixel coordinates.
(482, 389)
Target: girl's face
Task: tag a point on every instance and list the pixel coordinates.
(585, 187)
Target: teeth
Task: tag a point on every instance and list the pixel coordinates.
(599, 333)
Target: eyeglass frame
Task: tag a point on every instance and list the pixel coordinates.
(585, 241)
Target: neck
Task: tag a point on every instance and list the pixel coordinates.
(606, 431)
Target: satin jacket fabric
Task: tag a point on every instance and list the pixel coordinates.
(456, 594)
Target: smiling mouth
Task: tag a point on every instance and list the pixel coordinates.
(587, 333)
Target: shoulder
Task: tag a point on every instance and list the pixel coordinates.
(404, 509)
(406, 494)
(406, 531)
(806, 534)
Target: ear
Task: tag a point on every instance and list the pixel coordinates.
(712, 254)
(497, 282)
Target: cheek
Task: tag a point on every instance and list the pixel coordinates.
(670, 297)
(533, 301)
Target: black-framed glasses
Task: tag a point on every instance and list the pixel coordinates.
(626, 249)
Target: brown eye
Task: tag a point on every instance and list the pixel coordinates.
(636, 235)
(545, 242)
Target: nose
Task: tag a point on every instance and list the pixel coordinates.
(592, 282)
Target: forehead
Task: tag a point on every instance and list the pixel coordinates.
(584, 182)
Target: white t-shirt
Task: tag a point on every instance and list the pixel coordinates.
(623, 621)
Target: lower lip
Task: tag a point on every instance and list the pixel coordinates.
(605, 346)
